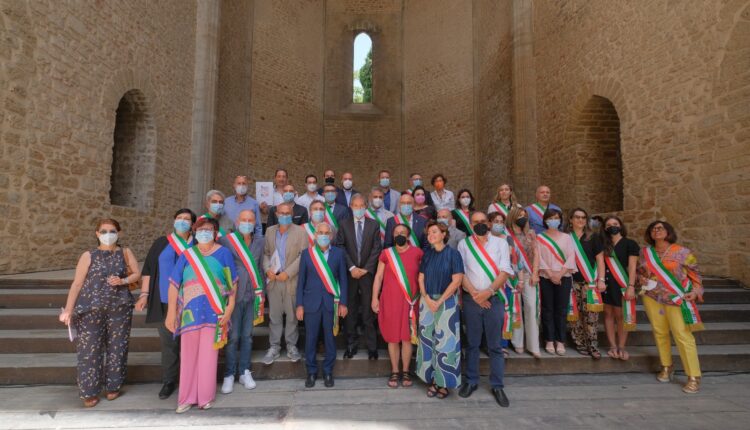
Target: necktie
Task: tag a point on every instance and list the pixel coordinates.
(359, 239)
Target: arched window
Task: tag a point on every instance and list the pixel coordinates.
(362, 69)
(133, 154)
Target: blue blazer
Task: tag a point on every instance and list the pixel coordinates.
(418, 225)
(341, 212)
(311, 293)
(341, 196)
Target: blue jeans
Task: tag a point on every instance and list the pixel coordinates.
(241, 332)
(489, 322)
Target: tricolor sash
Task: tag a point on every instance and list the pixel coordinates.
(221, 231)
(676, 289)
(330, 219)
(477, 250)
(240, 247)
(464, 217)
(594, 301)
(500, 207)
(178, 244)
(212, 290)
(403, 281)
(621, 277)
(523, 258)
(400, 219)
(329, 281)
(552, 246)
(538, 209)
(310, 230)
(369, 213)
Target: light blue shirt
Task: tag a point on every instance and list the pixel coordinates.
(281, 248)
(232, 210)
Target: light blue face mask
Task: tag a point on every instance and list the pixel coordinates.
(330, 196)
(417, 182)
(406, 210)
(358, 213)
(318, 216)
(246, 227)
(217, 208)
(181, 225)
(288, 196)
(285, 219)
(445, 221)
(204, 236)
(498, 229)
(385, 182)
(553, 223)
(323, 240)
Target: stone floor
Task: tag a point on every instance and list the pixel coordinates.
(610, 401)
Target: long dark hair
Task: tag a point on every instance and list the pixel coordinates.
(586, 229)
(458, 199)
(609, 246)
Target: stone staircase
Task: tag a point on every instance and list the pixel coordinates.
(34, 348)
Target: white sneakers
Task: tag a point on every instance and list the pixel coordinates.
(228, 385)
(246, 379)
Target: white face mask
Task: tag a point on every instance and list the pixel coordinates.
(377, 203)
(465, 201)
(312, 187)
(348, 184)
(108, 239)
(241, 190)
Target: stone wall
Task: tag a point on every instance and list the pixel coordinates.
(64, 67)
(678, 76)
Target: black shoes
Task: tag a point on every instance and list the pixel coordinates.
(466, 389)
(500, 397)
(350, 352)
(328, 380)
(310, 381)
(166, 390)
(372, 355)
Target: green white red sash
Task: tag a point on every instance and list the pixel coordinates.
(538, 209)
(221, 231)
(477, 250)
(400, 219)
(369, 213)
(464, 217)
(523, 258)
(676, 289)
(409, 293)
(178, 244)
(329, 282)
(310, 230)
(500, 207)
(594, 301)
(240, 247)
(212, 290)
(622, 279)
(330, 219)
(552, 246)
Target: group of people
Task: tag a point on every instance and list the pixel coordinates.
(419, 268)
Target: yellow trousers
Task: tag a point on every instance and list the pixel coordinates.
(666, 318)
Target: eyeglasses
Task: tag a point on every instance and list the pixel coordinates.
(658, 228)
(107, 231)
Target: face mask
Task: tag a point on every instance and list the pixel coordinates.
(406, 210)
(594, 223)
(323, 240)
(521, 222)
(181, 225)
(330, 180)
(498, 229)
(400, 240)
(204, 236)
(481, 229)
(312, 187)
(417, 182)
(330, 196)
(465, 201)
(318, 216)
(247, 227)
(285, 219)
(613, 230)
(377, 203)
(554, 224)
(348, 184)
(419, 199)
(108, 239)
(358, 213)
(217, 208)
(288, 196)
(385, 182)
(445, 221)
(241, 189)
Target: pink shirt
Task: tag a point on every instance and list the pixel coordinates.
(548, 262)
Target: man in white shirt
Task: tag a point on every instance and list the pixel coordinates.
(487, 265)
(377, 212)
(311, 193)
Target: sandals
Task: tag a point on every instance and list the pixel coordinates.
(405, 380)
(442, 393)
(612, 353)
(111, 395)
(506, 354)
(432, 391)
(582, 350)
(595, 354)
(90, 402)
(393, 380)
(519, 351)
(560, 349)
(624, 356)
(550, 348)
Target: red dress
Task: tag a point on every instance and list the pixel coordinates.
(393, 317)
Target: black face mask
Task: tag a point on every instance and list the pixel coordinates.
(400, 240)
(613, 230)
(521, 222)
(481, 229)
(330, 180)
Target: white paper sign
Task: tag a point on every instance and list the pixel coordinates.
(264, 192)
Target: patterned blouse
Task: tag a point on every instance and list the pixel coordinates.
(528, 241)
(96, 293)
(678, 260)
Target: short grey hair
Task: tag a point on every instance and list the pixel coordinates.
(213, 193)
(358, 196)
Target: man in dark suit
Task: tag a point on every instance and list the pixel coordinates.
(316, 305)
(344, 195)
(405, 215)
(299, 212)
(359, 236)
(340, 212)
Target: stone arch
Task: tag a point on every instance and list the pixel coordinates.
(133, 153)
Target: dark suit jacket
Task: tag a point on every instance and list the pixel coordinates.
(418, 224)
(341, 197)
(371, 246)
(311, 293)
(341, 213)
(299, 215)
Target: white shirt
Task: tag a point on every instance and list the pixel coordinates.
(498, 251)
(305, 199)
(278, 198)
(446, 202)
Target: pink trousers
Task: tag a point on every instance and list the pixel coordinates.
(198, 361)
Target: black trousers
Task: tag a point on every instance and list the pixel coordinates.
(555, 301)
(360, 295)
(170, 352)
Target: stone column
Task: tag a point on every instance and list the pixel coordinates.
(525, 157)
(204, 100)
